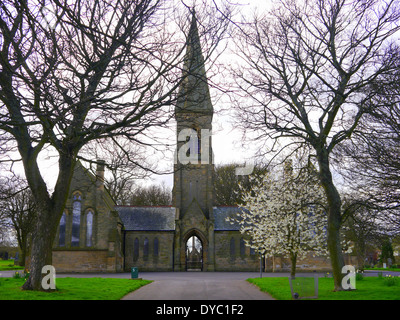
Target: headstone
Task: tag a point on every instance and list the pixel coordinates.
(384, 265)
(304, 287)
(16, 260)
(5, 257)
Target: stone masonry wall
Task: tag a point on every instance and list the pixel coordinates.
(229, 256)
(80, 261)
(150, 260)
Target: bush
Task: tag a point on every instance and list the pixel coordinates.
(390, 280)
(359, 276)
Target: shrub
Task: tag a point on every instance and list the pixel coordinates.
(390, 280)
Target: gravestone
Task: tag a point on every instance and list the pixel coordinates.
(304, 287)
(5, 257)
(16, 260)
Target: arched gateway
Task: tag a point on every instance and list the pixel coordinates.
(194, 254)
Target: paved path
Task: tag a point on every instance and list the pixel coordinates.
(198, 286)
(185, 285)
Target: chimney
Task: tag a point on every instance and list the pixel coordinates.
(100, 174)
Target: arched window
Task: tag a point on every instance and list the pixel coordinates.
(61, 239)
(194, 150)
(242, 247)
(198, 145)
(89, 228)
(146, 248)
(232, 247)
(155, 250)
(77, 196)
(136, 249)
(197, 191)
(76, 219)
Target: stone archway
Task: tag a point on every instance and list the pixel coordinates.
(194, 254)
(195, 251)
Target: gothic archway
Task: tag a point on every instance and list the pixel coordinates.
(194, 254)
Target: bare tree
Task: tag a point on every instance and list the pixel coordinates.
(153, 195)
(308, 66)
(126, 161)
(102, 69)
(18, 208)
(372, 155)
(229, 187)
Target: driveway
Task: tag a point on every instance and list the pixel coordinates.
(198, 286)
(185, 285)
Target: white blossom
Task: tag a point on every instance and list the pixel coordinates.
(285, 214)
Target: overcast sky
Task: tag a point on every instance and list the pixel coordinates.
(226, 139)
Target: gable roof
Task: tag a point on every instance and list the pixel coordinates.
(147, 218)
(80, 171)
(163, 218)
(220, 216)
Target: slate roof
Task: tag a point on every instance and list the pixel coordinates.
(163, 218)
(147, 218)
(220, 215)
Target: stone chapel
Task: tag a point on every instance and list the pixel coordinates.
(96, 235)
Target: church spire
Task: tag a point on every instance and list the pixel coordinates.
(194, 93)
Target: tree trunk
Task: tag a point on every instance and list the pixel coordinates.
(49, 211)
(334, 219)
(273, 263)
(24, 249)
(293, 260)
(41, 250)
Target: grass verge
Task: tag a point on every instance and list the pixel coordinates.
(72, 289)
(369, 288)
(9, 265)
(383, 269)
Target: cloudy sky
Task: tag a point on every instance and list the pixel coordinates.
(226, 139)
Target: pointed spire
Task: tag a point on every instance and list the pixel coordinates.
(194, 56)
(194, 93)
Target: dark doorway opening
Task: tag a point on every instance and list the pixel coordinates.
(194, 254)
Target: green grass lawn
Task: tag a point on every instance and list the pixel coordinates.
(9, 265)
(72, 289)
(383, 269)
(369, 288)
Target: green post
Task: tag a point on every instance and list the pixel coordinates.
(134, 272)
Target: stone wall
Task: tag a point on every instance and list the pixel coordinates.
(80, 260)
(149, 260)
(104, 254)
(231, 255)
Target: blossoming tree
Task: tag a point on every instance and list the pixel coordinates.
(285, 214)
